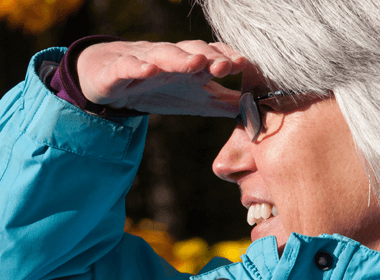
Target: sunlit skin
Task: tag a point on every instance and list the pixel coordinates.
(108, 72)
(306, 164)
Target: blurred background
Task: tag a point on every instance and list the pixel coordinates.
(176, 203)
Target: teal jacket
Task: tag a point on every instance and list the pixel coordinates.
(332, 257)
(70, 225)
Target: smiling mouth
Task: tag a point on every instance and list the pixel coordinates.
(260, 212)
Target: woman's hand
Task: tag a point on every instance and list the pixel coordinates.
(159, 77)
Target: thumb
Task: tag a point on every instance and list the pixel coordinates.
(222, 93)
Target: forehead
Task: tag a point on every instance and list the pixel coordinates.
(253, 81)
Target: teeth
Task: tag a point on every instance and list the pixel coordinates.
(274, 211)
(251, 216)
(259, 212)
(265, 211)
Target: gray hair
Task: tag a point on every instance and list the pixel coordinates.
(314, 46)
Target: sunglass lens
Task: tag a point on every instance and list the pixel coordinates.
(250, 115)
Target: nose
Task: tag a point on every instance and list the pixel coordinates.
(235, 159)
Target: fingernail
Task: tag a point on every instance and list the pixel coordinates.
(236, 57)
(146, 66)
(219, 60)
(190, 56)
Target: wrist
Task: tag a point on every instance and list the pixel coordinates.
(65, 81)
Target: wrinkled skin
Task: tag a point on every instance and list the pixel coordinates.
(109, 72)
(306, 164)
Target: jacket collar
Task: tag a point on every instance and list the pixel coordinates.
(304, 257)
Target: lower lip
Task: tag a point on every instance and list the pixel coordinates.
(266, 228)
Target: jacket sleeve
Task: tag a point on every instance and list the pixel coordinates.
(64, 175)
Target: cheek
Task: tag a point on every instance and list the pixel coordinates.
(309, 173)
(282, 175)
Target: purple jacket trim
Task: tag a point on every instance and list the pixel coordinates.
(66, 83)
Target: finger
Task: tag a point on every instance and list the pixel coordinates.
(223, 94)
(238, 61)
(130, 67)
(173, 59)
(218, 64)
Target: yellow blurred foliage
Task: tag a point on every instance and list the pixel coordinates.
(35, 16)
(155, 234)
(189, 255)
(231, 250)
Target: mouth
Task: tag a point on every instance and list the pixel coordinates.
(259, 212)
(264, 218)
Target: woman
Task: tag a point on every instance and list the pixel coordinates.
(315, 162)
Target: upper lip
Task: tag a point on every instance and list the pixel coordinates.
(254, 196)
(253, 191)
(247, 201)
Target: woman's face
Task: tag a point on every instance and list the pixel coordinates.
(304, 163)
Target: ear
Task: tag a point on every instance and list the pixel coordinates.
(272, 123)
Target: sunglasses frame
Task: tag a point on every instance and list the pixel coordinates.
(250, 115)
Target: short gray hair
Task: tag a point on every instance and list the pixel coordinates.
(314, 46)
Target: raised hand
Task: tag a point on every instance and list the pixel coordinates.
(160, 77)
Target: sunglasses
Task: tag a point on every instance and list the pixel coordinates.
(250, 114)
